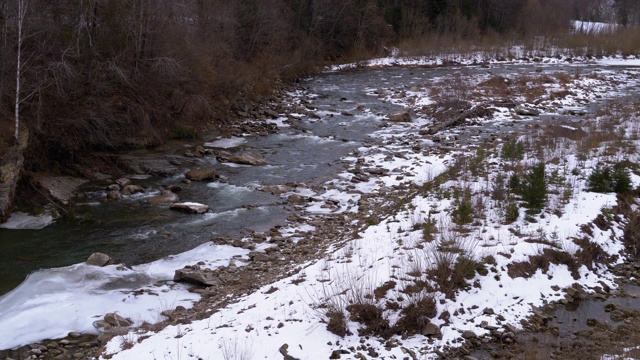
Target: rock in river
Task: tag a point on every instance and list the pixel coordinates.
(244, 158)
(190, 207)
(199, 174)
(99, 259)
(167, 198)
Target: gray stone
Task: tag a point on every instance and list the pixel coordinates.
(190, 207)
(196, 276)
(117, 320)
(257, 256)
(111, 333)
(468, 334)
(431, 329)
(244, 158)
(99, 259)
(297, 199)
(275, 189)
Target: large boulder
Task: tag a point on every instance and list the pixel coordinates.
(166, 198)
(200, 174)
(244, 158)
(190, 207)
(195, 275)
(60, 188)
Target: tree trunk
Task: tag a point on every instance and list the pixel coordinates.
(22, 10)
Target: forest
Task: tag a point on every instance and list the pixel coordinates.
(94, 75)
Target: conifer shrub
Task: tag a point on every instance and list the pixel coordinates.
(534, 188)
(606, 178)
(512, 150)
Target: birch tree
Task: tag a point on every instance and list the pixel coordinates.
(20, 18)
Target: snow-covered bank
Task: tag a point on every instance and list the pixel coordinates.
(408, 258)
(517, 55)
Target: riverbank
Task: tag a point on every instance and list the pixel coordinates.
(407, 216)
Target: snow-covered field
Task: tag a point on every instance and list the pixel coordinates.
(454, 261)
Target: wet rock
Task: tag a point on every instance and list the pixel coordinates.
(200, 151)
(114, 195)
(174, 188)
(132, 189)
(99, 259)
(275, 189)
(113, 187)
(200, 174)
(167, 198)
(617, 315)
(244, 158)
(297, 199)
(197, 276)
(190, 207)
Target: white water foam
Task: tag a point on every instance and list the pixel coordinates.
(53, 302)
(226, 143)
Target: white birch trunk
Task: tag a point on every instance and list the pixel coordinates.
(22, 9)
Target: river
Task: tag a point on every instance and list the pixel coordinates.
(306, 151)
